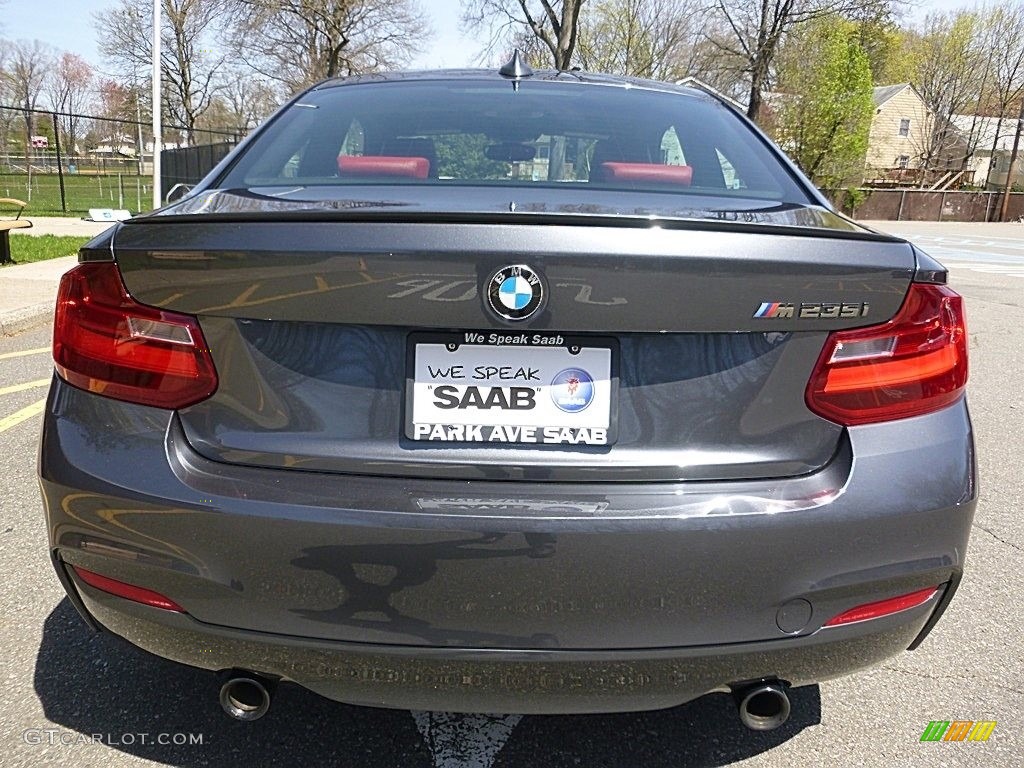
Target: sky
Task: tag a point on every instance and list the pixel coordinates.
(68, 25)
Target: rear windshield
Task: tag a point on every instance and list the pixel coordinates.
(473, 132)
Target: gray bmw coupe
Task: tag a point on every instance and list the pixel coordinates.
(509, 391)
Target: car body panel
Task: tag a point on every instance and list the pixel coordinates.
(491, 564)
(528, 682)
(600, 278)
(707, 390)
(307, 538)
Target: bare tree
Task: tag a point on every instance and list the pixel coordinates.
(657, 39)
(249, 100)
(70, 90)
(551, 26)
(949, 69)
(751, 32)
(117, 103)
(190, 63)
(8, 117)
(27, 66)
(299, 42)
(1004, 24)
(242, 104)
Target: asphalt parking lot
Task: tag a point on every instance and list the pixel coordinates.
(73, 698)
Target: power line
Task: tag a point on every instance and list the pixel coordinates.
(232, 132)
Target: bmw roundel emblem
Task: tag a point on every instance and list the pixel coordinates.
(515, 292)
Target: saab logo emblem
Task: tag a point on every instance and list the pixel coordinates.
(813, 309)
(572, 390)
(515, 292)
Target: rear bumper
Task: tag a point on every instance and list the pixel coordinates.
(482, 596)
(520, 681)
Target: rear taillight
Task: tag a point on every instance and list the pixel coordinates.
(105, 342)
(914, 364)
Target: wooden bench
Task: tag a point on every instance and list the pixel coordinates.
(6, 225)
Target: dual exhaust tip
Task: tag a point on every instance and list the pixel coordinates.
(245, 696)
(762, 706)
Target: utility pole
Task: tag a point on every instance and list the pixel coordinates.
(1011, 172)
(157, 127)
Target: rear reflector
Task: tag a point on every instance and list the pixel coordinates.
(105, 342)
(127, 591)
(914, 364)
(883, 607)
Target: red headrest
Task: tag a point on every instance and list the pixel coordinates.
(681, 175)
(383, 165)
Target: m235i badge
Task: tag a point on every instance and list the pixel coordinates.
(813, 309)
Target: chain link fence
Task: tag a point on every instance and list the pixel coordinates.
(65, 164)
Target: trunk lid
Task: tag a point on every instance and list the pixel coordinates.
(712, 330)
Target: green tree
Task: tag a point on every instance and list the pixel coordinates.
(461, 156)
(823, 114)
(751, 35)
(656, 39)
(883, 40)
(953, 66)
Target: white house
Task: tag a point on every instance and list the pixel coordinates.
(992, 141)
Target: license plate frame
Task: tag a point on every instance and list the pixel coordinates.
(566, 425)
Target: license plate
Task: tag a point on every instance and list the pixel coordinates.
(503, 387)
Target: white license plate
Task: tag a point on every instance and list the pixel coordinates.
(504, 387)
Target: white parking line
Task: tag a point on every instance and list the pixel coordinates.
(464, 741)
(19, 416)
(23, 387)
(992, 269)
(1012, 243)
(952, 251)
(25, 352)
(944, 253)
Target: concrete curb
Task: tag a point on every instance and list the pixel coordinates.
(14, 321)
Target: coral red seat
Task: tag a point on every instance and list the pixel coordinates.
(681, 175)
(383, 165)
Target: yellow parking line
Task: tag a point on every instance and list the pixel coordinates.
(237, 303)
(168, 300)
(23, 387)
(25, 352)
(19, 416)
(243, 297)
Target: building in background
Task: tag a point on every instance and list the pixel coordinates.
(900, 131)
(992, 140)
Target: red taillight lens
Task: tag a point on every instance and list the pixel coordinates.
(914, 364)
(105, 342)
(127, 591)
(883, 607)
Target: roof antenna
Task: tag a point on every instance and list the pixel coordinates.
(516, 67)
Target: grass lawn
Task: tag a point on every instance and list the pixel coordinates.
(81, 192)
(25, 248)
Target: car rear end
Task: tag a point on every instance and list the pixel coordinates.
(415, 420)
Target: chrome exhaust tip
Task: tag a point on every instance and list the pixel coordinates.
(245, 696)
(763, 706)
